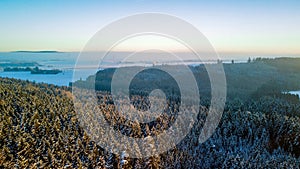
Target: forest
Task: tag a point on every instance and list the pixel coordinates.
(260, 126)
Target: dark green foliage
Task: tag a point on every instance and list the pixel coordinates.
(39, 129)
(262, 77)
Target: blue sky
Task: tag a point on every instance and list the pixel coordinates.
(260, 27)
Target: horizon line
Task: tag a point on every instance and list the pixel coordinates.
(158, 51)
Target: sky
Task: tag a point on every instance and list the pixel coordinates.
(269, 27)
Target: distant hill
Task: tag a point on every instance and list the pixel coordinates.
(262, 77)
(44, 51)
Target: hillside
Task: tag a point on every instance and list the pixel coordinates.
(39, 129)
